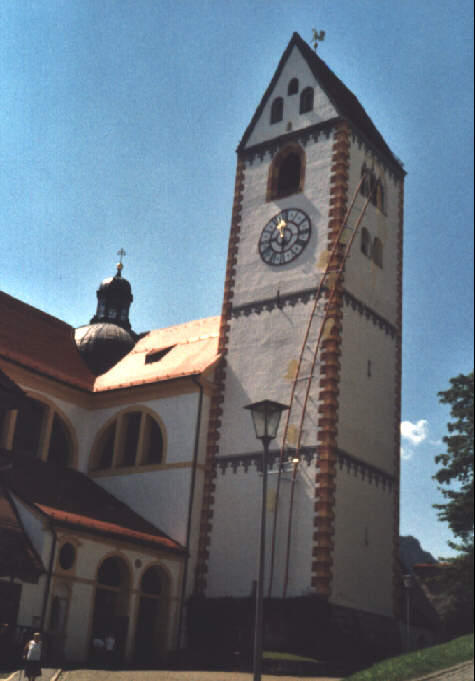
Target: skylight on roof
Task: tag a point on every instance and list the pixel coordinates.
(158, 355)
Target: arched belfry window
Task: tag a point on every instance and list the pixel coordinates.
(277, 110)
(377, 252)
(293, 86)
(379, 195)
(133, 438)
(287, 172)
(372, 187)
(306, 100)
(40, 429)
(365, 242)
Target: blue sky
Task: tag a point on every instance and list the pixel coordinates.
(118, 128)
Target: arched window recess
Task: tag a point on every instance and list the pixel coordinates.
(135, 437)
(286, 172)
(293, 86)
(41, 429)
(306, 100)
(277, 110)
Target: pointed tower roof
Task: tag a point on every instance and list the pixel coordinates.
(344, 101)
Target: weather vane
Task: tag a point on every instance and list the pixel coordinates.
(318, 37)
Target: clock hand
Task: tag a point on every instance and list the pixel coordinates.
(280, 228)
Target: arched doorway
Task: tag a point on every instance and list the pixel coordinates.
(111, 611)
(152, 617)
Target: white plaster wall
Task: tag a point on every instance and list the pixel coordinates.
(33, 524)
(236, 531)
(160, 496)
(366, 404)
(31, 602)
(323, 110)
(256, 280)
(374, 286)
(362, 572)
(262, 350)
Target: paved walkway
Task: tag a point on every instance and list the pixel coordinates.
(95, 675)
(47, 675)
(461, 672)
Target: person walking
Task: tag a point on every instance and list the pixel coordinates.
(32, 654)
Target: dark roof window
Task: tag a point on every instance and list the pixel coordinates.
(277, 110)
(157, 355)
(306, 100)
(293, 87)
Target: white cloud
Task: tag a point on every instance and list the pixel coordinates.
(415, 433)
(406, 453)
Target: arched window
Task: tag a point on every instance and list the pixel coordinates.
(151, 582)
(286, 173)
(112, 572)
(293, 86)
(365, 186)
(153, 615)
(67, 556)
(377, 252)
(277, 110)
(40, 430)
(133, 438)
(365, 242)
(379, 195)
(289, 175)
(306, 100)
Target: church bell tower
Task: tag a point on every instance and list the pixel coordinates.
(314, 260)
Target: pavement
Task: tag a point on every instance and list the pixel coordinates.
(460, 672)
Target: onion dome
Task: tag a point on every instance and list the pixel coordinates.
(108, 337)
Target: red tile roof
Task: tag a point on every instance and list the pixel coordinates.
(43, 343)
(85, 522)
(70, 498)
(194, 349)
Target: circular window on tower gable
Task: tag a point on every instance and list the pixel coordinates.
(67, 556)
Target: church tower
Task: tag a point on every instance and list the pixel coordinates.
(309, 157)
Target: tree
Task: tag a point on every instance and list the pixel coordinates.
(457, 462)
(456, 472)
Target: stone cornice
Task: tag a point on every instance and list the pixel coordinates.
(362, 469)
(304, 136)
(304, 296)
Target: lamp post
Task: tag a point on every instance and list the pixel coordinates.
(407, 581)
(265, 417)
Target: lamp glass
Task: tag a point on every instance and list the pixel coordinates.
(266, 417)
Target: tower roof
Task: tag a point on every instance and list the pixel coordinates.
(344, 101)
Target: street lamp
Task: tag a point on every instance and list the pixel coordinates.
(407, 581)
(265, 417)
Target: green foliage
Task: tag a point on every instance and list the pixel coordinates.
(456, 472)
(419, 663)
(457, 462)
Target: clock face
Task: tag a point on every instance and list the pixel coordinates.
(284, 237)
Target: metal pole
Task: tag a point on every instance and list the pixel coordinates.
(408, 620)
(258, 629)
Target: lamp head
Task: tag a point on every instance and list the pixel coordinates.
(266, 418)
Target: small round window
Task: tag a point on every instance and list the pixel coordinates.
(67, 556)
